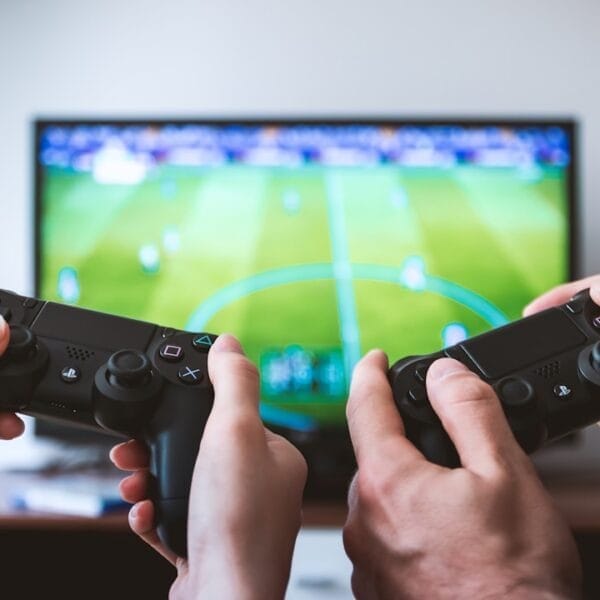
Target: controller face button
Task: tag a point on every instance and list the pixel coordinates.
(562, 391)
(129, 368)
(596, 322)
(516, 393)
(5, 312)
(70, 374)
(190, 376)
(203, 342)
(171, 352)
(417, 396)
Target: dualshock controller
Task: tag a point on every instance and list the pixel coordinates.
(120, 375)
(545, 369)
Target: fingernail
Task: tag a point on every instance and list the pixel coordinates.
(227, 343)
(595, 293)
(133, 513)
(3, 326)
(444, 367)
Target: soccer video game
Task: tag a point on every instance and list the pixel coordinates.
(311, 242)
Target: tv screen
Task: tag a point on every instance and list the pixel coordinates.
(313, 241)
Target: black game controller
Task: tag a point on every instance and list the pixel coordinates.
(110, 373)
(544, 368)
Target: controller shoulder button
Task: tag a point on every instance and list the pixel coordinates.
(417, 396)
(576, 305)
(30, 303)
(421, 371)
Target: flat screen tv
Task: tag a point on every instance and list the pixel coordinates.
(312, 240)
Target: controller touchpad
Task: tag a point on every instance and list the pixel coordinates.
(524, 343)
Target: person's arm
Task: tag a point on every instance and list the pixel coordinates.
(246, 496)
(11, 426)
(418, 530)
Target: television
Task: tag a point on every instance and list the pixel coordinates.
(312, 240)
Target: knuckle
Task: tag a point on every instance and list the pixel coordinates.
(239, 366)
(373, 486)
(467, 387)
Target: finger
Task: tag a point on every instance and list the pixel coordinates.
(234, 378)
(130, 456)
(134, 488)
(10, 426)
(563, 293)
(141, 521)
(373, 419)
(4, 335)
(472, 416)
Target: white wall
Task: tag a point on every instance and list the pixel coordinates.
(135, 57)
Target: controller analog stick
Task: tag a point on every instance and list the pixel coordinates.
(596, 356)
(129, 369)
(22, 343)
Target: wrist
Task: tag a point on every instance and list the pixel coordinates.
(526, 589)
(229, 575)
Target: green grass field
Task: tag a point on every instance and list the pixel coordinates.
(310, 257)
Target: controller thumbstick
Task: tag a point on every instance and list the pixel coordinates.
(22, 343)
(596, 356)
(129, 369)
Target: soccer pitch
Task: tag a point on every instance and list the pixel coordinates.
(330, 261)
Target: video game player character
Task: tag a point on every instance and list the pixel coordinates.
(414, 529)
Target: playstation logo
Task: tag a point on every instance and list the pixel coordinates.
(70, 374)
(562, 391)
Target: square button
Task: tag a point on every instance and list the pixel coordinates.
(171, 352)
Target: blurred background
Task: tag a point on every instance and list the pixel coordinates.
(136, 59)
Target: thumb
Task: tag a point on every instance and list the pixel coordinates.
(472, 416)
(595, 292)
(234, 377)
(4, 335)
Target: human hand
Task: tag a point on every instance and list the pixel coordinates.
(562, 293)
(419, 530)
(10, 425)
(246, 494)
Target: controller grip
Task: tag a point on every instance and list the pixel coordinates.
(174, 436)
